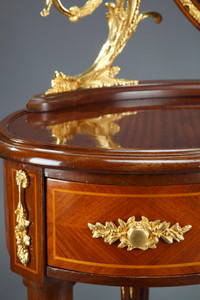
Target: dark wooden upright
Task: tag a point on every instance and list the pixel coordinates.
(96, 156)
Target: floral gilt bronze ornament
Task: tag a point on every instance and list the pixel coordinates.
(21, 229)
(142, 234)
(123, 18)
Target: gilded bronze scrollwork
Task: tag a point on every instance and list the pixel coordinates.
(191, 8)
(21, 229)
(142, 234)
(123, 19)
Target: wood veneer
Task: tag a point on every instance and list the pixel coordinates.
(52, 289)
(35, 207)
(155, 173)
(71, 206)
(163, 136)
(138, 281)
(145, 90)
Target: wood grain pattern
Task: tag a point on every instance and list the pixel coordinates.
(145, 90)
(52, 289)
(122, 179)
(71, 206)
(35, 210)
(114, 280)
(155, 173)
(162, 138)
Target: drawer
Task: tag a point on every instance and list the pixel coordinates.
(70, 243)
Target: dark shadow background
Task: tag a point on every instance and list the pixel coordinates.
(32, 48)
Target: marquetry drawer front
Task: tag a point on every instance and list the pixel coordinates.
(153, 248)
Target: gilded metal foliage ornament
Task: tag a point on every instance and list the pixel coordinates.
(142, 234)
(21, 229)
(122, 22)
(192, 9)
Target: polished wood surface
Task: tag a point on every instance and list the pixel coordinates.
(50, 290)
(67, 228)
(169, 128)
(137, 281)
(144, 90)
(162, 137)
(145, 162)
(35, 208)
(120, 179)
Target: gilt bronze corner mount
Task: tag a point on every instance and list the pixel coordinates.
(21, 229)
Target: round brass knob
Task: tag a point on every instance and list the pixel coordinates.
(138, 236)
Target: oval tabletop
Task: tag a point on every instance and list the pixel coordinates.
(150, 128)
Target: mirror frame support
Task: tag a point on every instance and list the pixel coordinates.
(191, 9)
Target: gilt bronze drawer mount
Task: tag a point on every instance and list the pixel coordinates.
(143, 234)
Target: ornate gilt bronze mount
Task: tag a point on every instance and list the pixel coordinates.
(122, 23)
(21, 230)
(142, 234)
(191, 8)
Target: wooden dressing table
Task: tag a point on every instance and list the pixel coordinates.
(92, 183)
